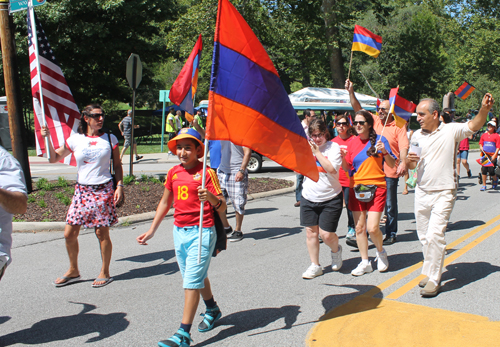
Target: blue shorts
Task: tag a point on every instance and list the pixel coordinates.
(463, 155)
(186, 251)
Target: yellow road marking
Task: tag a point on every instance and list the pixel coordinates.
(376, 322)
(408, 286)
(344, 326)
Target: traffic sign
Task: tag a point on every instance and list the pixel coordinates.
(164, 95)
(134, 71)
(19, 5)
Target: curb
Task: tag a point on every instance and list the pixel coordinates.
(33, 227)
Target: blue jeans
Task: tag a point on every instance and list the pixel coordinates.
(391, 207)
(350, 218)
(298, 187)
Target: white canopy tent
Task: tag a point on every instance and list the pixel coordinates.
(324, 99)
(329, 99)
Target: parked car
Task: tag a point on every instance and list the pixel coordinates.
(255, 163)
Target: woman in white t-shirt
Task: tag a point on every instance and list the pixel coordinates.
(321, 203)
(93, 204)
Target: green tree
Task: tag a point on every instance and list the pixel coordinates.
(92, 41)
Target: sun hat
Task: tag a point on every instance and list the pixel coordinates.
(186, 133)
(492, 123)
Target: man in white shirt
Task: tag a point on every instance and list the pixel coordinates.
(436, 182)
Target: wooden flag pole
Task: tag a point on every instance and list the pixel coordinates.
(350, 63)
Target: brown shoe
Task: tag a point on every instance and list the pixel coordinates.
(423, 282)
(297, 204)
(430, 290)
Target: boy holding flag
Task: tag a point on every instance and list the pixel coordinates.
(183, 188)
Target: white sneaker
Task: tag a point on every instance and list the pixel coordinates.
(362, 269)
(337, 259)
(382, 261)
(312, 271)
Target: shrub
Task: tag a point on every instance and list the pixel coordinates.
(128, 179)
(61, 182)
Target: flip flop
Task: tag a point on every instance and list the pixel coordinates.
(67, 280)
(106, 282)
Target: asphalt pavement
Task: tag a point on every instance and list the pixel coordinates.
(257, 283)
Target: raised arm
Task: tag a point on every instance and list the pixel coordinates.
(478, 121)
(356, 106)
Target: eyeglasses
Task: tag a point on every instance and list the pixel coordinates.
(317, 136)
(341, 124)
(361, 122)
(96, 115)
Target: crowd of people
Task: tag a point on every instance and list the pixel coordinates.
(359, 168)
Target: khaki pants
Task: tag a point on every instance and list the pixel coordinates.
(432, 213)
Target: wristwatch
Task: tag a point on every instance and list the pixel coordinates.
(242, 171)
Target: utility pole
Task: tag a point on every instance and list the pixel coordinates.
(13, 91)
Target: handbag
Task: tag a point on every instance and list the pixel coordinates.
(113, 177)
(221, 243)
(365, 193)
(412, 178)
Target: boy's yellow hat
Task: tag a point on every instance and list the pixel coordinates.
(186, 133)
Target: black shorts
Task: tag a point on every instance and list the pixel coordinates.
(326, 214)
(489, 170)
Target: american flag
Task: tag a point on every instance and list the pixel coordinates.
(61, 113)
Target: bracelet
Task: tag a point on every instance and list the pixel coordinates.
(386, 153)
(218, 205)
(119, 185)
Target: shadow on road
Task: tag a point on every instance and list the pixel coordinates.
(68, 327)
(244, 321)
(163, 268)
(406, 216)
(459, 275)
(249, 211)
(463, 224)
(272, 233)
(335, 302)
(4, 319)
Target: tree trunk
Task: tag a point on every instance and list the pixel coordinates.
(333, 44)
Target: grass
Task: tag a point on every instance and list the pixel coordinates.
(128, 179)
(44, 184)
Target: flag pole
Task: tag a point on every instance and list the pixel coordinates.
(34, 39)
(350, 63)
(203, 181)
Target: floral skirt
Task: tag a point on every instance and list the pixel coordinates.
(93, 206)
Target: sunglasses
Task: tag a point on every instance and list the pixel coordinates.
(383, 109)
(340, 124)
(96, 115)
(317, 136)
(361, 122)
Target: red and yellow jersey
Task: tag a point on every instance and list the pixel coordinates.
(184, 186)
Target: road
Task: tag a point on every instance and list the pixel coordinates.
(257, 283)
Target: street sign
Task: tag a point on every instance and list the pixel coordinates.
(19, 5)
(134, 71)
(164, 95)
